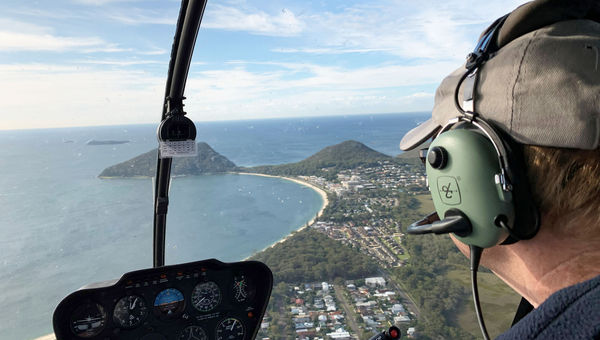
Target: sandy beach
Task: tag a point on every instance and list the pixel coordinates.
(298, 181)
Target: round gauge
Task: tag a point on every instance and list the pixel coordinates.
(230, 329)
(130, 311)
(206, 296)
(88, 320)
(242, 289)
(193, 333)
(169, 303)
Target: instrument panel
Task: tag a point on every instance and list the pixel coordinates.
(204, 300)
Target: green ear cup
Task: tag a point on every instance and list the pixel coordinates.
(465, 180)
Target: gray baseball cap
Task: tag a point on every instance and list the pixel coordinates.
(542, 86)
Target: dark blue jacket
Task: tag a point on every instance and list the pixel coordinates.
(571, 313)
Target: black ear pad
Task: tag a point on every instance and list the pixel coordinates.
(527, 217)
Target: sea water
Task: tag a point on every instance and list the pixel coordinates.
(62, 227)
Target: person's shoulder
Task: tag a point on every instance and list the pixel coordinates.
(570, 313)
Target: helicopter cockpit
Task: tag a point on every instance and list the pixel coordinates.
(70, 223)
(198, 300)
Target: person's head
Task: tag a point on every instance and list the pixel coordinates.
(537, 87)
(566, 187)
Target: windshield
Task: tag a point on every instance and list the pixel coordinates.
(301, 106)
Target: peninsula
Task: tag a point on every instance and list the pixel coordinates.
(327, 162)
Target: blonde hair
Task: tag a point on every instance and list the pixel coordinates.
(566, 183)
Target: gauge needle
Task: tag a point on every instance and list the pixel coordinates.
(233, 325)
(132, 306)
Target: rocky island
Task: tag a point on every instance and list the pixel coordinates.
(207, 161)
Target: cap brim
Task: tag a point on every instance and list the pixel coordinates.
(418, 135)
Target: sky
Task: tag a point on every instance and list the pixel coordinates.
(104, 62)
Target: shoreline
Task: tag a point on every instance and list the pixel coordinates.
(320, 191)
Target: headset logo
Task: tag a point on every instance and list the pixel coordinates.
(449, 190)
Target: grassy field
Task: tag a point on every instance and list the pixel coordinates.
(426, 204)
(498, 303)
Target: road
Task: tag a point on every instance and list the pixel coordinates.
(397, 287)
(350, 314)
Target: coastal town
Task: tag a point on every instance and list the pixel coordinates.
(349, 310)
(366, 195)
(359, 202)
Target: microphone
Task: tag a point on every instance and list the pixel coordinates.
(454, 222)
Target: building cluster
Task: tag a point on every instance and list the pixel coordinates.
(377, 241)
(377, 305)
(313, 310)
(386, 175)
(315, 313)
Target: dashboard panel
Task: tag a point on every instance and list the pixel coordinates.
(204, 300)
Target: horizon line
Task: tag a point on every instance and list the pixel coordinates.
(2, 129)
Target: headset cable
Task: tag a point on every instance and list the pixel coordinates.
(475, 256)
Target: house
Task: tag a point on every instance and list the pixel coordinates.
(398, 308)
(340, 334)
(375, 282)
(401, 318)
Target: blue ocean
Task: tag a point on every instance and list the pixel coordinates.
(62, 227)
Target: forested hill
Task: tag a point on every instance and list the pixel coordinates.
(144, 165)
(346, 155)
(309, 256)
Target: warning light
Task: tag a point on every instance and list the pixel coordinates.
(393, 332)
(179, 274)
(250, 314)
(163, 276)
(203, 269)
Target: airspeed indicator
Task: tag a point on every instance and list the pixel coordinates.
(206, 296)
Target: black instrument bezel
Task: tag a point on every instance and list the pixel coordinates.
(148, 283)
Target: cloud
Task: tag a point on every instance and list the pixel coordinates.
(120, 62)
(14, 41)
(47, 95)
(101, 2)
(156, 51)
(425, 29)
(296, 89)
(325, 50)
(143, 17)
(283, 23)
(91, 94)
(23, 36)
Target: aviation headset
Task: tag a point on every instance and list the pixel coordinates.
(476, 174)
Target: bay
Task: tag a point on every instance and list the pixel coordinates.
(62, 227)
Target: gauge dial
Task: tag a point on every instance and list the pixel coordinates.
(169, 303)
(130, 311)
(230, 329)
(193, 333)
(206, 296)
(243, 289)
(88, 320)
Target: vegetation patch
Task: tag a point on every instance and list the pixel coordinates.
(309, 256)
(498, 303)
